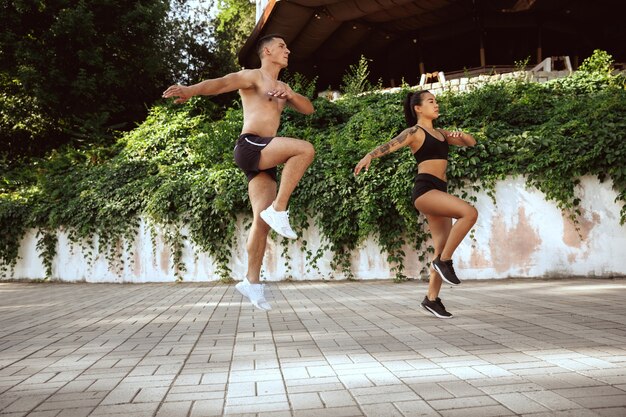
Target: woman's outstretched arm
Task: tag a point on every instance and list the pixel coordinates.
(393, 145)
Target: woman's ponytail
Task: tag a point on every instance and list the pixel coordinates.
(412, 100)
(409, 112)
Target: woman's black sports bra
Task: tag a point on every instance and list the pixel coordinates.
(432, 148)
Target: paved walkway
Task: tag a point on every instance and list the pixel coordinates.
(515, 348)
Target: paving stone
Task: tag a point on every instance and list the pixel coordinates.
(327, 412)
(207, 408)
(174, 409)
(24, 404)
(75, 412)
(486, 411)
(611, 412)
(519, 403)
(140, 409)
(255, 408)
(603, 401)
(551, 400)
(270, 387)
(566, 413)
(381, 409)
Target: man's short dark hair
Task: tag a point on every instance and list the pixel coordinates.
(264, 40)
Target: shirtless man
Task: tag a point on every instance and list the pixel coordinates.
(258, 150)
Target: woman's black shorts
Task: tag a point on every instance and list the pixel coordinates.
(248, 153)
(425, 183)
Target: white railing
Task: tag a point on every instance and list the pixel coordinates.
(547, 64)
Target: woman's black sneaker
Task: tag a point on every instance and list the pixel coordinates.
(436, 308)
(446, 271)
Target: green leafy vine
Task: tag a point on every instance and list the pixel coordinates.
(176, 170)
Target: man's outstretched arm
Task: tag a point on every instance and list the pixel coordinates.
(231, 82)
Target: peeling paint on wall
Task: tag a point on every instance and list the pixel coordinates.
(576, 238)
(136, 265)
(164, 258)
(478, 259)
(513, 247)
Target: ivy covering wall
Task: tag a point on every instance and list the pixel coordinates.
(177, 169)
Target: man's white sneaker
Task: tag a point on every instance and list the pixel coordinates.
(255, 293)
(279, 221)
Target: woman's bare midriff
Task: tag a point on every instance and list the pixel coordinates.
(435, 167)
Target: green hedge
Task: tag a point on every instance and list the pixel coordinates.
(177, 169)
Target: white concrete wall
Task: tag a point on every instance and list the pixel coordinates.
(522, 236)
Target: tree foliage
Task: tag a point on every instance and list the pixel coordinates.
(233, 23)
(209, 38)
(90, 66)
(76, 71)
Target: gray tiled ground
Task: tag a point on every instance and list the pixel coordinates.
(515, 348)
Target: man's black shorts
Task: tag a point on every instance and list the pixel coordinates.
(248, 153)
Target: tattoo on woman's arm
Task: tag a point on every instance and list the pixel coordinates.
(386, 148)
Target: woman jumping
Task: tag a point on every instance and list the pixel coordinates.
(430, 197)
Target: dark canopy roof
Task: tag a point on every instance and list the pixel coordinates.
(405, 37)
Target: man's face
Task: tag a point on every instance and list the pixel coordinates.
(278, 52)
